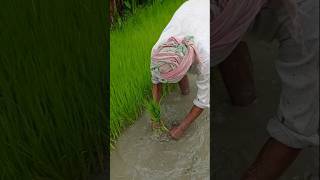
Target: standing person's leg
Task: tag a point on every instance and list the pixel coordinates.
(184, 85)
(237, 74)
(296, 125)
(272, 160)
(297, 121)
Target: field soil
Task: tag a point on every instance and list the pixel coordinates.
(139, 156)
(239, 133)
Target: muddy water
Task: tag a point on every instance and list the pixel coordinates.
(138, 156)
(239, 133)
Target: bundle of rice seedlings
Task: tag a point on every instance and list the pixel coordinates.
(154, 109)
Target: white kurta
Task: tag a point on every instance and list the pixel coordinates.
(296, 123)
(193, 18)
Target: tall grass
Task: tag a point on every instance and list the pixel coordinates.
(154, 109)
(53, 88)
(130, 61)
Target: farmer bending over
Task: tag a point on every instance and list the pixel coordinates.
(184, 46)
(295, 25)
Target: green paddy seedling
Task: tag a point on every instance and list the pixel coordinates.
(154, 109)
(53, 90)
(130, 48)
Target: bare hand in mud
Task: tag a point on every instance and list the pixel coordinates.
(176, 132)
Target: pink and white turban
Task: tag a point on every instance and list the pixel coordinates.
(173, 58)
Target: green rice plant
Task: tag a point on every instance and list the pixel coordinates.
(53, 89)
(154, 109)
(130, 50)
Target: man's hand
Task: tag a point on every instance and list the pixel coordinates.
(177, 131)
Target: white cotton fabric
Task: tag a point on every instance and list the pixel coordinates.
(193, 19)
(296, 122)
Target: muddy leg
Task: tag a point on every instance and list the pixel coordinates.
(272, 161)
(184, 85)
(237, 74)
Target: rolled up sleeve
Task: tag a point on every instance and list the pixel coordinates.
(202, 99)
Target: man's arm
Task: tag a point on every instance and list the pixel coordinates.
(191, 116)
(195, 111)
(177, 132)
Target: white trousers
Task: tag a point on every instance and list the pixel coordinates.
(296, 123)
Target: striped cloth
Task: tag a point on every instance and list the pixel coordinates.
(173, 58)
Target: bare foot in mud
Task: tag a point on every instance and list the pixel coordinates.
(185, 92)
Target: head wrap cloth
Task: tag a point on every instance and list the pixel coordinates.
(172, 59)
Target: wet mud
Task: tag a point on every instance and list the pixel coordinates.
(240, 132)
(141, 156)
